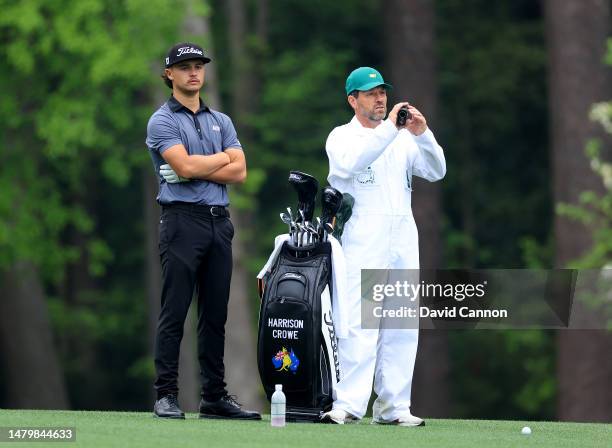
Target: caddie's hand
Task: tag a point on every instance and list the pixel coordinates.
(393, 114)
(170, 176)
(417, 124)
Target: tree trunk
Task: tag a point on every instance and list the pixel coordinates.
(576, 33)
(241, 360)
(411, 67)
(34, 379)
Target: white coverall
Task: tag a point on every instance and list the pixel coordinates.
(376, 167)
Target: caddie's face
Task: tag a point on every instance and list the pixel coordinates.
(371, 104)
(187, 76)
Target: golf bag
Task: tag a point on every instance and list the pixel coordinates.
(296, 343)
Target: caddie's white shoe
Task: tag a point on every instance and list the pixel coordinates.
(338, 417)
(406, 419)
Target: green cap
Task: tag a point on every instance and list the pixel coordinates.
(365, 78)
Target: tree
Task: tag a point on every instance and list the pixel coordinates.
(34, 376)
(67, 124)
(411, 62)
(577, 79)
(245, 47)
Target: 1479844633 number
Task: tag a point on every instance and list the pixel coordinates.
(15, 434)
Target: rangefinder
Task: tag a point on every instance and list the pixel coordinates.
(403, 115)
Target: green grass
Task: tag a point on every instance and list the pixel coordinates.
(137, 429)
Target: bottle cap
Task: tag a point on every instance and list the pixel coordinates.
(278, 387)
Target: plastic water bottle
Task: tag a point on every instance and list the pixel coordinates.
(278, 402)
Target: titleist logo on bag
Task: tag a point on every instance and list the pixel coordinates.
(292, 275)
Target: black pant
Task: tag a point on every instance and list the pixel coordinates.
(196, 252)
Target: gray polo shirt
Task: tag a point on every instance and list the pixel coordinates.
(205, 132)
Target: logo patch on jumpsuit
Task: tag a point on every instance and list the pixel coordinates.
(366, 177)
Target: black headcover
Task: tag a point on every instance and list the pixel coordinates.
(343, 214)
(330, 203)
(306, 187)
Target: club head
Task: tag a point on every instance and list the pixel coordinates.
(306, 187)
(285, 218)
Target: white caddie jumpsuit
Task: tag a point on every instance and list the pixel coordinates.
(376, 167)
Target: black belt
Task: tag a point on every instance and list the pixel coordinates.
(216, 211)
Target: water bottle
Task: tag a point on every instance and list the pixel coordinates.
(278, 406)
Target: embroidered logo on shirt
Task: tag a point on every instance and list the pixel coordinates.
(216, 128)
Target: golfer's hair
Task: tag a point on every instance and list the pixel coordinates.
(355, 93)
(166, 80)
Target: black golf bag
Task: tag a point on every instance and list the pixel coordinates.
(296, 343)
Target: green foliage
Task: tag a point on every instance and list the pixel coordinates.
(492, 124)
(100, 255)
(504, 374)
(242, 198)
(78, 76)
(595, 209)
(608, 58)
(102, 344)
(493, 127)
(72, 125)
(72, 116)
(302, 98)
(536, 255)
(298, 117)
(595, 212)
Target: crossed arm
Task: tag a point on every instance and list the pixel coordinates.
(227, 167)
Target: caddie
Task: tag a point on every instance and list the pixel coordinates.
(374, 159)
